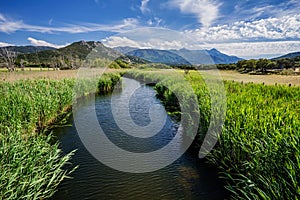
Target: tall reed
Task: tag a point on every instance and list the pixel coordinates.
(31, 166)
(258, 151)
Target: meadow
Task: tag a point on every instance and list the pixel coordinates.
(32, 165)
(258, 152)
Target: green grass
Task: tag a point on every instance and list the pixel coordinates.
(31, 165)
(258, 151)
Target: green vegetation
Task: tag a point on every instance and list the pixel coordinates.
(258, 151)
(78, 54)
(262, 66)
(158, 56)
(31, 165)
(153, 66)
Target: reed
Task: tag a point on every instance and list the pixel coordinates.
(258, 151)
(31, 166)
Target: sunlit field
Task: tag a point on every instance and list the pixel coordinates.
(45, 74)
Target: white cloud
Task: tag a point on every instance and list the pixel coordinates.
(144, 8)
(4, 44)
(287, 27)
(279, 10)
(206, 11)
(116, 41)
(159, 38)
(9, 26)
(256, 49)
(119, 41)
(155, 21)
(36, 42)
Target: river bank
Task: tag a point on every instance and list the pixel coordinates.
(31, 166)
(257, 152)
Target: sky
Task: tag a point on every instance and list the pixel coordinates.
(249, 29)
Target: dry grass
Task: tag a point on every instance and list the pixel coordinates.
(36, 74)
(226, 75)
(267, 79)
(246, 78)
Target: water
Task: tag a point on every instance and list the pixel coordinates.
(186, 178)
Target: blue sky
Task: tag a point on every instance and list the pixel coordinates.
(244, 28)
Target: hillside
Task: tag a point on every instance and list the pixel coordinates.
(182, 56)
(78, 50)
(76, 53)
(212, 56)
(125, 50)
(290, 55)
(159, 56)
(27, 49)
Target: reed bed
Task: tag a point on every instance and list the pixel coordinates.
(258, 151)
(31, 164)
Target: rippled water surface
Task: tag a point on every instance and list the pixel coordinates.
(186, 178)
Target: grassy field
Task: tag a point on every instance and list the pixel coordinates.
(45, 74)
(267, 79)
(31, 166)
(258, 151)
(226, 75)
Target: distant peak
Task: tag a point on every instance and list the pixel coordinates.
(184, 49)
(214, 49)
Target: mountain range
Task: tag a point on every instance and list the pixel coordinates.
(27, 49)
(82, 50)
(182, 56)
(159, 56)
(77, 50)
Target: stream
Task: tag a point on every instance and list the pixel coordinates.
(186, 178)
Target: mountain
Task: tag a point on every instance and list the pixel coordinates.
(182, 56)
(159, 56)
(290, 55)
(91, 49)
(212, 56)
(132, 59)
(74, 55)
(125, 50)
(77, 50)
(27, 49)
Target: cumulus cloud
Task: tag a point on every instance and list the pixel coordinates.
(4, 44)
(143, 7)
(152, 43)
(36, 42)
(256, 49)
(158, 38)
(115, 41)
(206, 11)
(287, 27)
(9, 26)
(150, 37)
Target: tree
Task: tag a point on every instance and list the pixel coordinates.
(271, 65)
(262, 64)
(9, 58)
